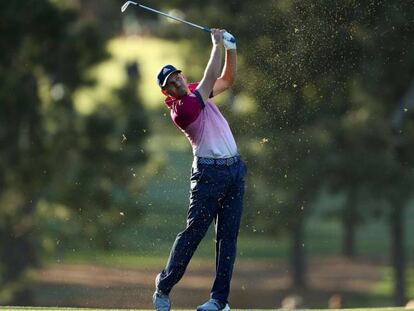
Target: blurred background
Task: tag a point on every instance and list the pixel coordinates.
(94, 177)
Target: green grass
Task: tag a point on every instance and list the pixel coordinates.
(86, 309)
(248, 249)
(148, 244)
(385, 287)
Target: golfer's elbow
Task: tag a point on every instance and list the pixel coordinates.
(228, 77)
(230, 81)
(227, 81)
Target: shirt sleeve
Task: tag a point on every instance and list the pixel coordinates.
(192, 86)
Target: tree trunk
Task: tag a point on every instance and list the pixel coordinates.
(19, 257)
(398, 253)
(298, 255)
(18, 253)
(349, 221)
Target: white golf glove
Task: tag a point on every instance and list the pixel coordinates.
(229, 41)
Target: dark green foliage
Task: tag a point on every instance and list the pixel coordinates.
(66, 179)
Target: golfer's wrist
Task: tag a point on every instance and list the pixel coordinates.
(216, 46)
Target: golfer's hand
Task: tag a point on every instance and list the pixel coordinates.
(229, 41)
(216, 36)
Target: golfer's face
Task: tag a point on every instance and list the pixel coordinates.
(176, 85)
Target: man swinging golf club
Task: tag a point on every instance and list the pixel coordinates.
(217, 175)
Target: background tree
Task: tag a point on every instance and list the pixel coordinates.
(63, 174)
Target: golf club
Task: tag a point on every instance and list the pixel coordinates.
(126, 4)
(206, 29)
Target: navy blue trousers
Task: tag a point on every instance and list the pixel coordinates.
(216, 194)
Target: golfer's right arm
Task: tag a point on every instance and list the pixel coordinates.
(213, 68)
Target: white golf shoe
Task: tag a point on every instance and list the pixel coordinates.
(214, 305)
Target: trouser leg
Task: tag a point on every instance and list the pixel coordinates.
(203, 208)
(227, 228)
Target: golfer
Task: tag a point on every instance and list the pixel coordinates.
(217, 175)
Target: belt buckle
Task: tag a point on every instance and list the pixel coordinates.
(229, 161)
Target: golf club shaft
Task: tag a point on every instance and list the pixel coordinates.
(175, 18)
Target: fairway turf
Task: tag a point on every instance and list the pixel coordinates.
(90, 309)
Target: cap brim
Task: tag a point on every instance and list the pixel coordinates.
(166, 78)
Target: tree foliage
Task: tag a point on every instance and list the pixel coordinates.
(66, 179)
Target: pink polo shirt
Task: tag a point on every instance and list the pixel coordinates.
(203, 124)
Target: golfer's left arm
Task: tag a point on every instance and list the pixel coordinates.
(229, 73)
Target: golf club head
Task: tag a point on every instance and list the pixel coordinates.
(126, 4)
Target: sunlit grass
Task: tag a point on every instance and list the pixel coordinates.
(119, 259)
(149, 54)
(148, 244)
(385, 287)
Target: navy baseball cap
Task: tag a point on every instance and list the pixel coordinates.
(164, 73)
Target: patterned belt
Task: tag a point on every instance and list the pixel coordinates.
(223, 161)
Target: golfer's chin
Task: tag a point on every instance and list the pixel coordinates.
(180, 93)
